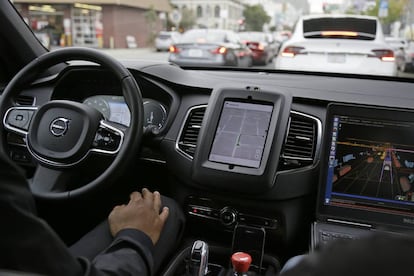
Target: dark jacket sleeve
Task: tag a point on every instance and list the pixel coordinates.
(129, 254)
(28, 244)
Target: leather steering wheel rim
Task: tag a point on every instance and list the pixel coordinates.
(130, 90)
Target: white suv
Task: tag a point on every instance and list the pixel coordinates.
(339, 44)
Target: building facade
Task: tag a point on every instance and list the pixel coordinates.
(223, 14)
(95, 23)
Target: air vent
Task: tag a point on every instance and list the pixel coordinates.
(189, 133)
(301, 141)
(25, 100)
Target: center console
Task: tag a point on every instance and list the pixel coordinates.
(237, 154)
(199, 259)
(231, 228)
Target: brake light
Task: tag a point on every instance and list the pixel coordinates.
(220, 50)
(384, 54)
(174, 49)
(292, 51)
(260, 47)
(339, 33)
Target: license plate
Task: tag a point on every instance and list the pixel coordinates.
(195, 53)
(336, 58)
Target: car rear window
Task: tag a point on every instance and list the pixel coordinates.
(203, 37)
(347, 28)
(164, 36)
(253, 36)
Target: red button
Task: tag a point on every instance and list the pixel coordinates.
(241, 262)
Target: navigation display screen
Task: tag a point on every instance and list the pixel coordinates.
(241, 134)
(371, 165)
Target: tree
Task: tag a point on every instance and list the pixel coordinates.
(255, 17)
(395, 10)
(188, 19)
(151, 19)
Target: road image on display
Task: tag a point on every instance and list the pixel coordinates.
(241, 134)
(380, 170)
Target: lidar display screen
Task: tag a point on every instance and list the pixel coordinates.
(371, 165)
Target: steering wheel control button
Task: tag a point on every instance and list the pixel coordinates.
(19, 118)
(106, 140)
(20, 156)
(59, 126)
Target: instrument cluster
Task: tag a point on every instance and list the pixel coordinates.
(115, 109)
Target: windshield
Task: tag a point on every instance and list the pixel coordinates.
(332, 36)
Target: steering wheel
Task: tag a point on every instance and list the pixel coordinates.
(61, 134)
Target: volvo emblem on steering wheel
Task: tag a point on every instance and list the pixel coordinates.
(59, 126)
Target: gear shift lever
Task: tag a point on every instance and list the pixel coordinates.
(199, 259)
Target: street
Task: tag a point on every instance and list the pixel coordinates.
(137, 53)
(151, 54)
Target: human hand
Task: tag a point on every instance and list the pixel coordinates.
(142, 213)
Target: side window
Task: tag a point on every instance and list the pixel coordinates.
(217, 11)
(199, 11)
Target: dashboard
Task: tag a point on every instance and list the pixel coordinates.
(232, 146)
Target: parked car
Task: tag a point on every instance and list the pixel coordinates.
(338, 43)
(405, 58)
(396, 42)
(263, 46)
(213, 47)
(164, 40)
(404, 53)
(282, 36)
